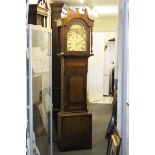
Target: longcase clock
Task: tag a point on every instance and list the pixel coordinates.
(38, 13)
(74, 120)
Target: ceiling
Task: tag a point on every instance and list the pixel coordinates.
(88, 2)
(102, 8)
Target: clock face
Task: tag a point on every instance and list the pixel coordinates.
(76, 38)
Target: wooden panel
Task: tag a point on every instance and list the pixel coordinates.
(75, 89)
(56, 9)
(74, 131)
(77, 64)
(74, 84)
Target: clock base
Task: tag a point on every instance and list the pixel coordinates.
(74, 131)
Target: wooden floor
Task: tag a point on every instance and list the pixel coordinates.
(101, 114)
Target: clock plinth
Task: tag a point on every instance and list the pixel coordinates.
(75, 131)
(74, 120)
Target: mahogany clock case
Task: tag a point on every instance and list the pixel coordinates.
(74, 64)
(74, 121)
(38, 14)
(63, 38)
(65, 24)
(75, 131)
(74, 84)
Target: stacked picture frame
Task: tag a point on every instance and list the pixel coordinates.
(112, 134)
(114, 143)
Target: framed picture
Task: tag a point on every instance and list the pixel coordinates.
(114, 143)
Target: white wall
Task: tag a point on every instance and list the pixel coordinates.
(109, 27)
(33, 1)
(105, 24)
(109, 35)
(95, 68)
(122, 48)
(108, 66)
(13, 78)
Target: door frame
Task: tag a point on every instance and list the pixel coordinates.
(122, 63)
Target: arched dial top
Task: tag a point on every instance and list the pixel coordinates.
(77, 37)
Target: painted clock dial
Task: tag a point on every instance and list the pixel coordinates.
(76, 38)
